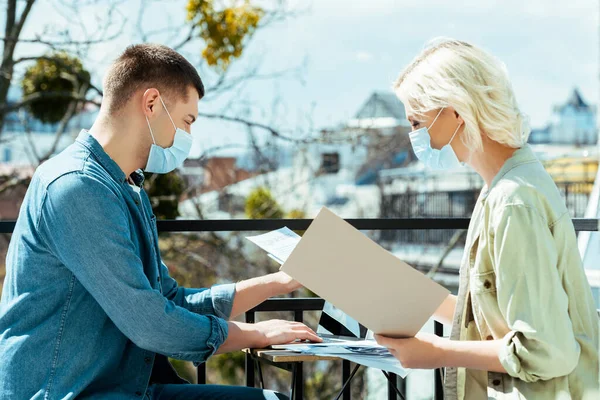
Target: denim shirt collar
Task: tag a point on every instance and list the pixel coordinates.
(88, 141)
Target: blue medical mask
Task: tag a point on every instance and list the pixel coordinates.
(445, 158)
(164, 160)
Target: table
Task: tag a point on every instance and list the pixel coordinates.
(292, 361)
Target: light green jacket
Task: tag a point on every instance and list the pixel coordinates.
(522, 281)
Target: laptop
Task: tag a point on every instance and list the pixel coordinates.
(335, 326)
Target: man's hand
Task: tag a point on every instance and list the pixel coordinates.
(282, 332)
(264, 334)
(424, 351)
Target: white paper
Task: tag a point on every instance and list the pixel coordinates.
(364, 352)
(277, 260)
(369, 347)
(279, 244)
(388, 364)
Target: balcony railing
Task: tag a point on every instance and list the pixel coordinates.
(299, 306)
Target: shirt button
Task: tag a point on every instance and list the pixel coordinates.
(148, 360)
(487, 284)
(496, 382)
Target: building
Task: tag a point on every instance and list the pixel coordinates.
(213, 173)
(337, 169)
(572, 123)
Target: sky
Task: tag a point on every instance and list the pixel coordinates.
(346, 49)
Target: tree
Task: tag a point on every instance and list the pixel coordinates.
(57, 73)
(165, 192)
(224, 31)
(261, 205)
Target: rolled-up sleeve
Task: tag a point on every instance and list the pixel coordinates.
(218, 300)
(541, 344)
(87, 228)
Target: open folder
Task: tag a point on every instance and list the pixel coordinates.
(346, 268)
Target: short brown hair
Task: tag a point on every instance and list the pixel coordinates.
(151, 65)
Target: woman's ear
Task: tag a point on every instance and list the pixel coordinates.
(459, 118)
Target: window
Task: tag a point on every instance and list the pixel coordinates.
(330, 163)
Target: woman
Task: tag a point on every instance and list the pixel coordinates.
(524, 323)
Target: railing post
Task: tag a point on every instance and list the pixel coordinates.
(438, 390)
(391, 387)
(201, 374)
(299, 379)
(345, 376)
(250, 381)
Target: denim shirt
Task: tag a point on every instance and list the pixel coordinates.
(87, 302)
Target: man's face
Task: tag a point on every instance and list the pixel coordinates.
(184, 114)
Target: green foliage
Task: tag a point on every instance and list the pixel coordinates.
(230, 367)
(60, 73)
(185, 369)
(296, 214)
(260, 204)
(225, 30)
(165, 191)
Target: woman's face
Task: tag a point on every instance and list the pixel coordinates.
(442, 130)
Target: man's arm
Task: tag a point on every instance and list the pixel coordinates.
(217, 300)
(85, 226)
(252, 292)
(230, 300)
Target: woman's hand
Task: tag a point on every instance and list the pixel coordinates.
(424, 351)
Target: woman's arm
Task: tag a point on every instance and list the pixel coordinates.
(445, 312)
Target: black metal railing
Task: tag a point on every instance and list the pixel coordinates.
(299, 306)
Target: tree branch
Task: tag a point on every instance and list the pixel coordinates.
(61, 64)
(11, 11)
(12, 183)
(54, 44)
(73, 106)
(258, 125)
(46, 96)
(22, 19)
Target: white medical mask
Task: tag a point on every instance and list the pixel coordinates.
(445, 158)
(164, 160)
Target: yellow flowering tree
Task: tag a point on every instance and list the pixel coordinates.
(224, 30)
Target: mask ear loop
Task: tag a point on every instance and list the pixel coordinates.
(436, 117)
(151, 134)
(455, 132)
(165, 107)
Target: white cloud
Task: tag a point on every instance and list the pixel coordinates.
(364, 56)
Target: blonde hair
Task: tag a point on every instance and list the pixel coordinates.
(452, 73)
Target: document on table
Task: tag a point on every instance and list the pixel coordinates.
(364, 352)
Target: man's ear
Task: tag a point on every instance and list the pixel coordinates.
(149, 100)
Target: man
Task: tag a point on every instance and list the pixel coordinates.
(88, 309)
